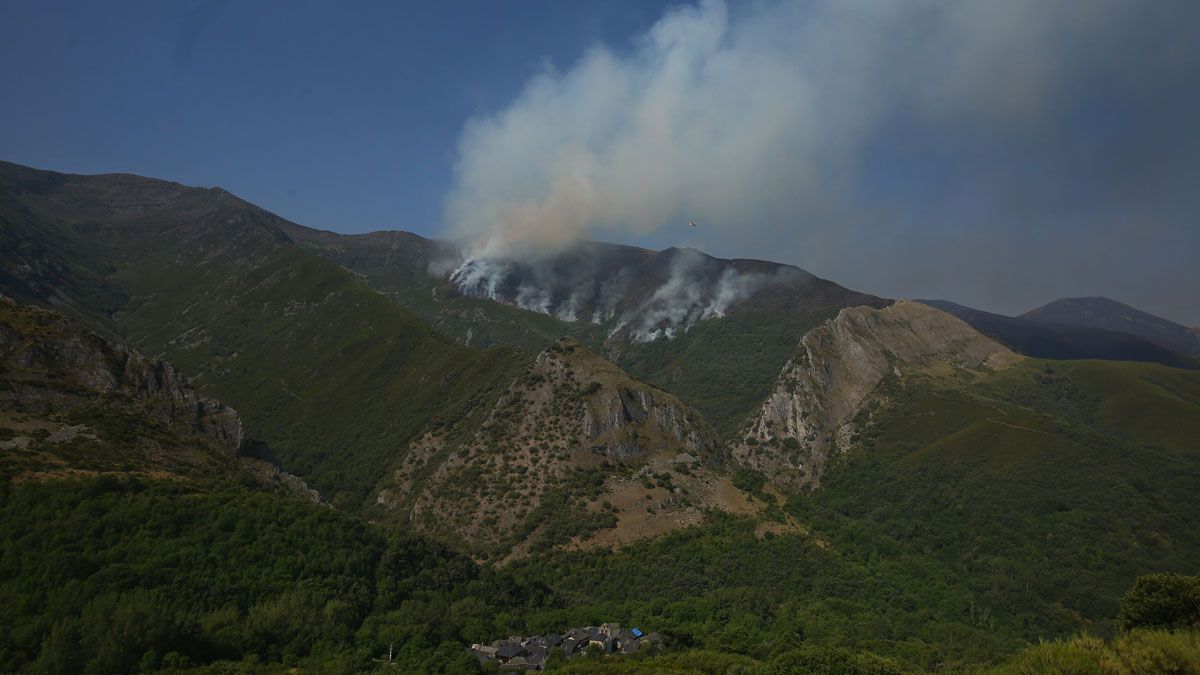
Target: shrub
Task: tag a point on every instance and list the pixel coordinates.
(1161, 601)
(1155, 651)
(1137, 651)
(749, 480)
(1083, 654)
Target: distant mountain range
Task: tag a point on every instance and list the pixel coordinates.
(1062, 330)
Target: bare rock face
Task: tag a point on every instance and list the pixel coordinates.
(838, 369)
(37, 343)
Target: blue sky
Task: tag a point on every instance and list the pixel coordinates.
(339, 116)
(999, 154)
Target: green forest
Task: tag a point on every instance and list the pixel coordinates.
(131, 575)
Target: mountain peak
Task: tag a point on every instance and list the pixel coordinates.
(1109, 314)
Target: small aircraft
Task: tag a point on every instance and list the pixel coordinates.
(692, 223)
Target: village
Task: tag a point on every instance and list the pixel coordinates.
(532, 653)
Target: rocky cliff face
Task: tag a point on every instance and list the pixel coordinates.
(840, 368)
(40, 344)
(73, 403)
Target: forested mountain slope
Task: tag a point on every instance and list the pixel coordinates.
(335, 377)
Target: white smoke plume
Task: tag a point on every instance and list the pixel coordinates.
(696, 288)
(687, 297)
(751, 117)
(478, 277)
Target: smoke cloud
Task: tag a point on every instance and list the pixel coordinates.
(765, 123)
(686, 297)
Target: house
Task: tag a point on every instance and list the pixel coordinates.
(517, 663)
(610, 629)
(544, 642)
(483, 653)
(489, 650)
(581, 634)
(509, 650)
(572, 647)
(602, 641)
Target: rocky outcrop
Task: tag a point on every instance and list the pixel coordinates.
(574, 429)
(839, 368)
(269, 474)
(38, 344)
(75, 404)
(624, 419)
(608, 416)
(608, 411)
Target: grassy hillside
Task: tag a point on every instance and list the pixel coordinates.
(398, 265)
(1142, 651)
(978, 514)
(1034, 486)
(1100, 312)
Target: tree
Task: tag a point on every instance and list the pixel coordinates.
(1161, 601)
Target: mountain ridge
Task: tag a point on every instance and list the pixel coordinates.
(1065, 341)
(844, 367)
